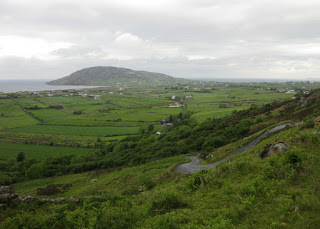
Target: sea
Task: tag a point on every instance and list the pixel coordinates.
(11, 86)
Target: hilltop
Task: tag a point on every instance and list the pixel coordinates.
(96, 76)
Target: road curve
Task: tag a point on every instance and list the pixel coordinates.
(193, 166)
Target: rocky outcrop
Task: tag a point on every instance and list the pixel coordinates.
(7, 196)
(74, 199)
(270, 149)
(28, 199)
(58, 200)
(53, 189)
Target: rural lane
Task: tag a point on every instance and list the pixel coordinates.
(193, 166)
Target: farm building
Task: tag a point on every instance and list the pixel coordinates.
(163, 122)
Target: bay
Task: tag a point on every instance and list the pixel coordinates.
(11, 86)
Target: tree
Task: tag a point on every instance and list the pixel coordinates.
(142, 130)
(150, 128)
(21, 156)
(171, 119)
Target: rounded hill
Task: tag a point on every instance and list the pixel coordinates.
(96, 76)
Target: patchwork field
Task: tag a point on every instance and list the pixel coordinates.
(95, 159)
(79, 118)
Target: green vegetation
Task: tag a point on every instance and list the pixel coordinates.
(129, 181)
(246, 192)
(77, 130)
(8, 150)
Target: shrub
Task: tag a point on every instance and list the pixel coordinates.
(21, 156)
(78, 112)
(35, 171)
(308, 124)
(167, 203)
(5, 179)
(293, 158)
(204, 177)
(149, 184)
(56, 107)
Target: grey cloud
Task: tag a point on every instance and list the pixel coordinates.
(226, 38)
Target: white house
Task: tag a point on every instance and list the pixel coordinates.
(291, 92)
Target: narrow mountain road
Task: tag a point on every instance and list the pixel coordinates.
(193, 166)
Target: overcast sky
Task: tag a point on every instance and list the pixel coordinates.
(183, 38)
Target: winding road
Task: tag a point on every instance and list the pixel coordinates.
(193, 166)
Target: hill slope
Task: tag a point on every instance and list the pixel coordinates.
(96, 76)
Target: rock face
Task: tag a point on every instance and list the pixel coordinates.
(96, 76)
(271, 149)
(7, 194)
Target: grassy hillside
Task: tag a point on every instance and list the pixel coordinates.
(244, 192)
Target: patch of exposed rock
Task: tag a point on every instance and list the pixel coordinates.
(53, 189)
(74, 199)
(270, 149)
(58, 200)
(7, 196)
(28, 199)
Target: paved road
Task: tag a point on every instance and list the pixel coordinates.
(193, 166)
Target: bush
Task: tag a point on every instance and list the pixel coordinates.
(21, 156)
(308, 124)
(35, 171)
(167, 203)
(5, 179)
(56, 107)
(78, 112)
(293, 159)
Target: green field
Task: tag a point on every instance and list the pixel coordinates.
(76, 130)
(66, 118)
(12, 115)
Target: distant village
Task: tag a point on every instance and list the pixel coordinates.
(293, 88)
